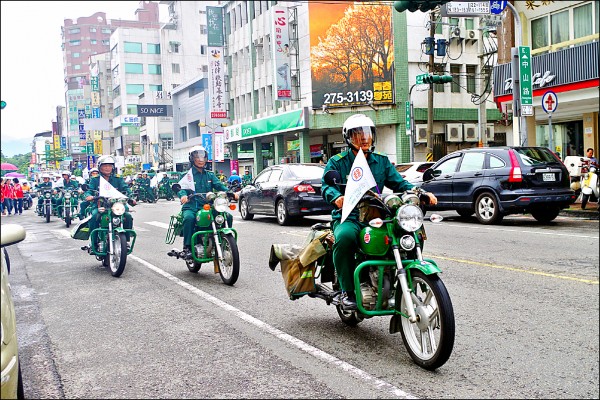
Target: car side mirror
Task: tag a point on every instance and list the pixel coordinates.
(332, 177)
(430, 173)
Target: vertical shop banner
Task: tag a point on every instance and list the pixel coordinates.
(207, 144)
(351, 66)
(214, 19)
(219, 147)
(281, 53)
(80, 118)
(216, 77)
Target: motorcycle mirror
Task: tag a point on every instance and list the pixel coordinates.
(332, 177)
(176, 187)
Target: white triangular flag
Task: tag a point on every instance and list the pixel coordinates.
(359, 181)
(154, 181)
(187, 182)
(108, 190)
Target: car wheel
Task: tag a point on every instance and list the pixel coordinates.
(246, 216)
(487, 210)
(545, 214)
(283, 218)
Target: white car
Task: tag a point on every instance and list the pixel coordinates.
(413, 171)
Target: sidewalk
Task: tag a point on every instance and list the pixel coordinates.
(574, 210)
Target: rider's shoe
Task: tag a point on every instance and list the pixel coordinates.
(347, 301)
(187, 252)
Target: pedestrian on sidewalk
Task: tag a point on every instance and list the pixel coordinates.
(2, 198)
(9, 195)
(18, 199)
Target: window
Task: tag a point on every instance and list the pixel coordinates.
(134, 88)
(75, 42)
(469, 23)
(155, 88)
(106, 30)
(276, 175)
(539, 33)
(131, 68)
(263, 177)
(117, 111)
(496, 162)
(559, 24)
(472, 162)
(183, 134)
(174, 47)
(154, 69)
(152, 48)
(203, 49)
(449, 166)
(106, 42)
(77, 67)
(92, 29)
(76, 55)
(132, 47)
(175, 68)
(203, 30)
(439, 26)
(205, 68)
(74, 30)
(93, 41)
(117, 91)
(132, 109)
(471, 73)
(582, 20)
(455, 72)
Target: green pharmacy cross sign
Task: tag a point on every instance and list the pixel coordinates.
(525, 81)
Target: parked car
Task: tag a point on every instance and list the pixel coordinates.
(492, 182)
(413, 171)
(286, 191)
(12, 383)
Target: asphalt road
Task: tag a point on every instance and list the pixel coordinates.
(525, 296)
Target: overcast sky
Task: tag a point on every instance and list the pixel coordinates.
(32, 65)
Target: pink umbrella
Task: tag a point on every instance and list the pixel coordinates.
(8, 167)
(14, 175)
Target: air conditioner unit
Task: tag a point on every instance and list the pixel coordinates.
(454, 132)
(259, 42)
(471, 34)
(471, 132)
(456, 32)
(489, 132)
(420, 133)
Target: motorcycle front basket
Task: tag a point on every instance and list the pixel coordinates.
(175, 228)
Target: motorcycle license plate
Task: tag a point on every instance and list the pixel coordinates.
(548, 177)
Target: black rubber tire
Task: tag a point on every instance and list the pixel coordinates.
(283, 218)
(487, 210)
(47, 213)
(119, 259)
(68, 217)
(193, 266)
(546, 214)
(584, 200)
(442, 327)
(230, 251)
(246, 216)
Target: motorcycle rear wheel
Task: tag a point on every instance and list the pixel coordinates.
(193, 266)
(117, 261)
(430, 340)
(230, 269)
(584, 200)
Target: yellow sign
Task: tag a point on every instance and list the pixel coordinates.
(429, 157)
(95, 98)
(98, 146)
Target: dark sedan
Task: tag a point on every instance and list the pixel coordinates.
(286, 191)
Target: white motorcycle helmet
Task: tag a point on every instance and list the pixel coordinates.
(359, 123)
(45, 176)
(66, 172)
(197, 151)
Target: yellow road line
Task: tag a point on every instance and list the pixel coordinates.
(569, 278)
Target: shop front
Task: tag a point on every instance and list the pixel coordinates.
(565, 99)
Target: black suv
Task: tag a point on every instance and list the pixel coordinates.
(492, 182)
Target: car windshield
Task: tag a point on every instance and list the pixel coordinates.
(532, 156)
(307, 171)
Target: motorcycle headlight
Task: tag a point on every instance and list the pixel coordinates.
(48, 195)
(221, 204)
(219, 219)
(118, 208)
(210, 196)
(410, 217)
(116, 221)
(67, 195)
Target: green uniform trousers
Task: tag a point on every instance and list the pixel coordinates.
(189, 224)
(345, 246)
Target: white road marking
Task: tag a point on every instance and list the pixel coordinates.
(315, 352)
(535, 232)
(159, 224)
(61, 232)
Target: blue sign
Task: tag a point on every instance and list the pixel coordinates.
(496, 7)
(81, 113)
(207, 143)
(549, 102)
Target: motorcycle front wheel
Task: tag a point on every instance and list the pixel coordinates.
(68, 217)
(430, 340)
(47, 213)
(230, 268)
(117, 261)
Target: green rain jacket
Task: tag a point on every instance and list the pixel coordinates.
(204, 182)
(72, 184)
(43, 185)
(383, 170)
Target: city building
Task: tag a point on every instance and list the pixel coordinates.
(563, 37)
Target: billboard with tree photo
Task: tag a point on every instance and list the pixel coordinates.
(352, 53)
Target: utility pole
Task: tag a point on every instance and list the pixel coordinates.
(481, 87)
(430, 92)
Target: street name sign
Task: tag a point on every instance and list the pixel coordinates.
(525, 81)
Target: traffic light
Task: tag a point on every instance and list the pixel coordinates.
(420, 5)
(2, 104)
(437, 79)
